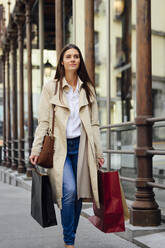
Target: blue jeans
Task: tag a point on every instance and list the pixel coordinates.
(71, 207)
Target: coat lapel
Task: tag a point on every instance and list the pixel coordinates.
(82, 101)
(56, 99)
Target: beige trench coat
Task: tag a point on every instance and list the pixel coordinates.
(89, 148)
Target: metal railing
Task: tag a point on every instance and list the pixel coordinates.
(149, 152)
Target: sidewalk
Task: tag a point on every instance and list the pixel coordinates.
(19, 230)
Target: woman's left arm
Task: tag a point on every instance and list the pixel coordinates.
(96, 132)
(43, 121)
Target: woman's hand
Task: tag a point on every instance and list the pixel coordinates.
(101, 161)
(33, 159)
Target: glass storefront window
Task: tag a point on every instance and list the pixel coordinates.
(100, 57)
(36, 84)
(100, 46)
(67, 21)
(49, 52)
(158, 94)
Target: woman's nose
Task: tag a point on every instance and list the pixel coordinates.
(72, 59)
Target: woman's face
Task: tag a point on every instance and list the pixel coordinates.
(71, 60)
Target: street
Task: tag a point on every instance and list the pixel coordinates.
(19, 230)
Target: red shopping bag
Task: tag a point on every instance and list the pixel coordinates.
(110, 216)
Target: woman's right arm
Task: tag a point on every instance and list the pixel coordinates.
(43, 124)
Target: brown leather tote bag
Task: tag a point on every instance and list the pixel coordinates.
(45, 158)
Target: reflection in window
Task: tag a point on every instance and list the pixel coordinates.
(49, 56)
(100, 41)
(97, 79)
(118, 87)
(67, 21)
(158, 106)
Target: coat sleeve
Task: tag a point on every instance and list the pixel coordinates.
(96, 128)
(43, 122)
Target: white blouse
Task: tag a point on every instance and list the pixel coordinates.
(73, 129)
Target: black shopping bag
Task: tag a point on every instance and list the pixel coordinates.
(42, 206)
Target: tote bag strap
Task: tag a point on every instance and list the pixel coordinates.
(53, 120)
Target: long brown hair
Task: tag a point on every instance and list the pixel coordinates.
(82, 73)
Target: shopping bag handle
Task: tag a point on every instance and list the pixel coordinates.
(35, 168)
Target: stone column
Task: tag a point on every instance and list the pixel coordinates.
(126, 91)
(8, 112)
(145, 211)
(29, 73)
(13, 47)
(3, 61)
(19, 18)
(59, 27)
(41, 39)
(89, 38)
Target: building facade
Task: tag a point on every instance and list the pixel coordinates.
(32, 33)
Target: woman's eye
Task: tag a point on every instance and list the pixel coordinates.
(69, 56)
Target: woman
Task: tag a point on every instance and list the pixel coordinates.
(78, 151)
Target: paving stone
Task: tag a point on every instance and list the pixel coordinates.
(19, 230)
(156, 240)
